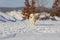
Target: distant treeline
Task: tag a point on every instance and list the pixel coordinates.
(5, 9)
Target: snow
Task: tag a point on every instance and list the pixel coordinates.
(58, 18)
(13, 27)
(16, 14)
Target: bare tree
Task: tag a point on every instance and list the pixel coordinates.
(42, 2)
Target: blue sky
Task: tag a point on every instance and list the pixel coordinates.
(11, 3)
(17, 3)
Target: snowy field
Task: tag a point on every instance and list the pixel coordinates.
(12, 27)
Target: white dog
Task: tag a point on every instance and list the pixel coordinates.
(32, 18)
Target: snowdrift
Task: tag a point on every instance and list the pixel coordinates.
(10, 16)
(11, 25)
